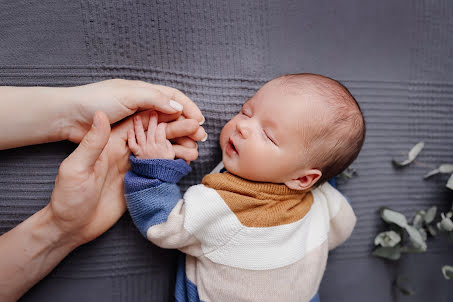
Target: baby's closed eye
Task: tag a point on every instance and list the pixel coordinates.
(269, 136)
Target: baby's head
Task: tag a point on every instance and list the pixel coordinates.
(299, 130)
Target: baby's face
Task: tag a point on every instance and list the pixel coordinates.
(265, 140)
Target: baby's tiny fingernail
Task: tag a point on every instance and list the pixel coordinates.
(180, 118)
(175, 105)
(202, 121)
(205, 138)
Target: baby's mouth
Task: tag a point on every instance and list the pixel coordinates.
(231, 149)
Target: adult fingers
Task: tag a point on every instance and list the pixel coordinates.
(164, 117)
(188, 154)
(185, 141)
(186, 127)
(199, 135)
(92, 144)
(181, 128)
(190, 109)
(143, 96)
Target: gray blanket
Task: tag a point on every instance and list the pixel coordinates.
(395, 56)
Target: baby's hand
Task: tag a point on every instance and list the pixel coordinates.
(154, 144)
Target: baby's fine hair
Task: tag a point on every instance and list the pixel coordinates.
(337, 142)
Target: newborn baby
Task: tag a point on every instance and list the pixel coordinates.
(260, 231)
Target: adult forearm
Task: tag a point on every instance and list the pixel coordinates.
(29, 252)
(32, 115)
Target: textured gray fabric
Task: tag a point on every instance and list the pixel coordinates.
(395, 56)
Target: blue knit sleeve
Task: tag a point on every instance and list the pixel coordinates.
(151, 191)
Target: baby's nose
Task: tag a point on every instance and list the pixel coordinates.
(242, 129)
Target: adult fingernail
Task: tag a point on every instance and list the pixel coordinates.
(205, 138)
(202, 121)
(175, 105)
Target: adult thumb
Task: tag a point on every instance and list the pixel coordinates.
(93, 143)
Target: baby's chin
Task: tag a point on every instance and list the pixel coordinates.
(230, 168)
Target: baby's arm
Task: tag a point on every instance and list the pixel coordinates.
(153, 198)
(342, 217)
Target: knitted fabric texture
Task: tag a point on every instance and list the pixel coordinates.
(259, 204)
(243, 240)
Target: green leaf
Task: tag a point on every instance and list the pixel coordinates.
(447, 271)
(450, 182)
(445, 168)
(411, 249)
(416, 150)
(445, 224)
(391, 216)
(432, 230)
(348, 173)
(418, 220)
(403, 288)
(430, 214)
(411, 155)
(391, 253)
(423, 234)
(416, 238)
(431, 173)
(387, 239)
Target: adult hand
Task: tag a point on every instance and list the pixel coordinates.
(88, 197)
(50, 114)
(75, 204)
(120, 98)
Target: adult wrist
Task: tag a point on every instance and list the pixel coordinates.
(57, 117)
(66, 111)
(29, 252)
(48, 230)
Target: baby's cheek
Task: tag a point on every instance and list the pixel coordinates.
(225, 133)
(259, 159)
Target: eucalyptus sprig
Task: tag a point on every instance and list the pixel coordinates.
(392, 243)
(347, 174)
(445, 168)
(446, 224)
(447, 270)
(413, 153)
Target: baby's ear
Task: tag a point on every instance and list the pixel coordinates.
(305, 181)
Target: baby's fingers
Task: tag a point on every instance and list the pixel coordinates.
(152, 127)
(139, 132)
(132, 142)
(161, 138)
